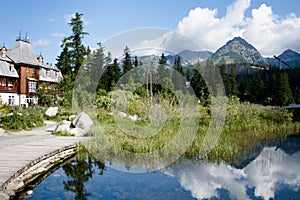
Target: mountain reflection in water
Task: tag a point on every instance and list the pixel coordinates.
(273, 173)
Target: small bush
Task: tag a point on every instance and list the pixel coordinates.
(18, 118)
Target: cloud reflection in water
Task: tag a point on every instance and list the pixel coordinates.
(266, 174)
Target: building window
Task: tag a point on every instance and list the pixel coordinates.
(48, 73)
(32, 86)
(27, 69)
(11, 100)
(11, 68)
(9, 83)
(33, 70)
(3, 82)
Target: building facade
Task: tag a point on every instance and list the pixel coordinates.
(21, 73)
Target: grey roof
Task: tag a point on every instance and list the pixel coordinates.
(47, 66)
(52, 75)
(22, 52)
(7, 69)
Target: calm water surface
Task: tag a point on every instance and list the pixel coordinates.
(269, 172)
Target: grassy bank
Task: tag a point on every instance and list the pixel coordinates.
(246, 126)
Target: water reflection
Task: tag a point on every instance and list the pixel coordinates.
(273, 174)
(274, 171)
(80, 172)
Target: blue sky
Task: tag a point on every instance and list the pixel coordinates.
(209, 22)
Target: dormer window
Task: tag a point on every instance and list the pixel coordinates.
(33, 70)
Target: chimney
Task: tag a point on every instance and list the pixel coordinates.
(3, 52)
(40, 59)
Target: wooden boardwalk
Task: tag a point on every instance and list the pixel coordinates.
(18, 153)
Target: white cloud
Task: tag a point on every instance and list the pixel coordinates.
(51, 20)
(58, 34)
(268, 32)
(68, 18)
(170, 42)
(211, 32)
(41, 42)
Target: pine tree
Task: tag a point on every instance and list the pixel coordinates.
(73, 48)
(198, 84)
(127, 65)
(177, 78)
(283, 95)
(135, 61)
(72, 57)
(257, 89)
(113, 74)
(233, 83)
(162, 69)
(95, 66)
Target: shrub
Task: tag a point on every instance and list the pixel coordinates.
(18, 118)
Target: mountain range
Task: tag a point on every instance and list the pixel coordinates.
(238, 51)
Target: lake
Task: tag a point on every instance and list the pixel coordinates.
(270, 171)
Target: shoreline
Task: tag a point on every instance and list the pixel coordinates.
(27, 155)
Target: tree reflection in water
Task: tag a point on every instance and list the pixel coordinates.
(79, 171)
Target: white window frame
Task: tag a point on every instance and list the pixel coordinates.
(11, 100)
(32, 86)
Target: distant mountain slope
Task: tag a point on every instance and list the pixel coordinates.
(236, 51)
(194, 56)
(288, 58)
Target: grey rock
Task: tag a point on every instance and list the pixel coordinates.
(64, 126)
(83, 121)
(72, 117)
(78, 132)
(121, 114)
(52, 111)
(133, 117)
(4, 196)
(16, 185)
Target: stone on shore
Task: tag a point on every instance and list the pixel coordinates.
(83, 121)
(65, 126)
(78, 127)
(78, 132)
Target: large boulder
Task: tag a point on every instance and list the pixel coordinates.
(78, 127)
(65, 126)
(78, 132)
(83, 121)
(52, 111)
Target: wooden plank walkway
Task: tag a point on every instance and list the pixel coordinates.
(18, 153)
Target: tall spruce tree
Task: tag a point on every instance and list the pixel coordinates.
(74, 52)
(198, 84)
(95, 66)
(127, 64)
(162, 69)
(72, 57)
(283, 95)
(177, 78)
(257, 89)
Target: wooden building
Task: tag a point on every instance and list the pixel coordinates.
(21, 72)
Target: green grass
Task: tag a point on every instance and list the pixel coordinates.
(247, 126)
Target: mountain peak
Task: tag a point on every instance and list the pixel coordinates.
(237, 50)
(289, 52)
